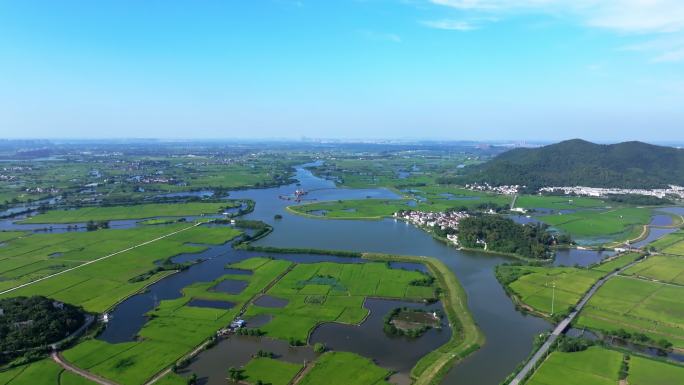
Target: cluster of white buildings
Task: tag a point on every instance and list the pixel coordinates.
(673, 190)
(443, 220)
(505, 189)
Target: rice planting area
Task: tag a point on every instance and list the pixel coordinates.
(534, 286)
(594, 366)
(594, 224)
(601, 366)
(339, 368)
(660, 268)
(99, 285)
(327, 292)
(174, 328)
(317, 292)
(636, 305)
(111, 213)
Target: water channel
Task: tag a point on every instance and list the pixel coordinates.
(509, 333)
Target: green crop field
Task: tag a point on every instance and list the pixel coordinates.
(99, 285)
(9, 235)
(643, 371)
(636, 305)
(69, 378)
(613, 264)
(617, 222)
(352, 209)
(601, 366)
(433, 199)
(675, 249)
(660, 268)
(668, 240)
(531, 202)
(339, 289)
(270, 371)
(594, 366)
(174, 329)
(534, 285)
(129, 212)
(43, 372)
(339, 368)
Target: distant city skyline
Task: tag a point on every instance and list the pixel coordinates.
(480, 70)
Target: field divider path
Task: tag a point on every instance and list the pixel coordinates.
(531, 365)
(78, 371)
(98, 259)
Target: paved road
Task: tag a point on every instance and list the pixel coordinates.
(562, 326)
(67, 366)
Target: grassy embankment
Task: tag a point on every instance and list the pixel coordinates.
(466, 337)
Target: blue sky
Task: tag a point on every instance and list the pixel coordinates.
(440, 69)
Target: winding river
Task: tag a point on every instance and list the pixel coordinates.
(509, 333)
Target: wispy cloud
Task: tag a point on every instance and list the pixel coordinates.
(380, 36)
(650, 18)
(450, 25)
(669, 48)
(640, 16)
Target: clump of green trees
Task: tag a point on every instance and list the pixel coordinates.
(503, 235)
(29, 323)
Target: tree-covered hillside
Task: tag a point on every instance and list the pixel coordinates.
(33, 322)
(578, 162)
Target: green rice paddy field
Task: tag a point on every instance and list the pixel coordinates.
(600, 223)
(636, 305)
(129, 212)
(99, 285)
(270, 371)
(433, 198)
(174, 329)
(600, 366)
(660, 268)
(535, 285)
(317, 293)
(326, 292)
(340, 368)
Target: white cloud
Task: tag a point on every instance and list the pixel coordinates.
(631, 16)
(668, 48)
(451, 25)
(653, 19)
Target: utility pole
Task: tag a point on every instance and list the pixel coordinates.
(553, 295)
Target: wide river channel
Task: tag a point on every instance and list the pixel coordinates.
(509, 333)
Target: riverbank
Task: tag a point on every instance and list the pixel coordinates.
(466, 337)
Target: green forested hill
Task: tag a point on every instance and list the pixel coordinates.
(578, 162)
